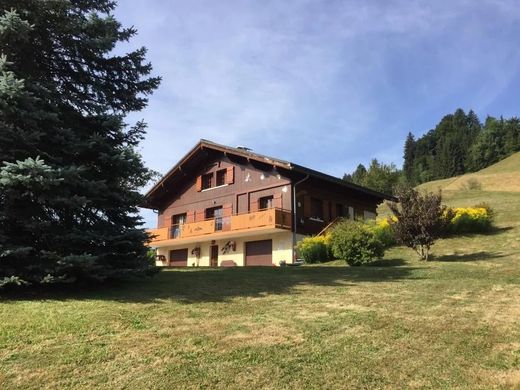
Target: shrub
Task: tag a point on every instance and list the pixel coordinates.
(489, 209)
(315, 249)
(470, 220)
(472, 184)
(383, 230)
(355, 242)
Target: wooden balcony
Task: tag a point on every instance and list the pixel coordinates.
(264, 219)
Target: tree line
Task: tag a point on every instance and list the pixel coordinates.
(458, 144)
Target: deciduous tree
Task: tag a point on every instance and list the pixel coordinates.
(420, 219)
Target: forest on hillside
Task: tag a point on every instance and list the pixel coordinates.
(458, 144)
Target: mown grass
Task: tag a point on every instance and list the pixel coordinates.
(399, 323)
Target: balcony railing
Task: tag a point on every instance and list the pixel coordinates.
(274, 218)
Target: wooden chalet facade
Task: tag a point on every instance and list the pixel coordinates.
(224, 206)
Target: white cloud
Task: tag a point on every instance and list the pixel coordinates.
(327, 84)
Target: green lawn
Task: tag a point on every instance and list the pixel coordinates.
(450, 323)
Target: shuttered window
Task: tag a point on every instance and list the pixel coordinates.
(215, 179)
(207, 181)
(221, 177)
(316, 208)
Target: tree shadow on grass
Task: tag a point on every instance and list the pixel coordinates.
(466, 257)
(397, 262)
(494, 231)
(221, 284)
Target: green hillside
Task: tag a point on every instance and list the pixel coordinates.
(502, 176)
(500, 187)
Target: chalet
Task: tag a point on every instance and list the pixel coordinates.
(222, 206)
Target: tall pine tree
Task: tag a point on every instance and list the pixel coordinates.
(70, 171)
(409, 156)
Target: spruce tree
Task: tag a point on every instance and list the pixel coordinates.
(358, 176)
(409, 156)
(512, 136)
(70, 172)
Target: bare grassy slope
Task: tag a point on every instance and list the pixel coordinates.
(502, 176)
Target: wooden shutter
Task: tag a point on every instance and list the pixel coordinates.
(230, 175)
(227, 210)
(199, 216)
(326, 209)
(277, 201)
(190, 216)
(306, 206)
(253, 206)
(198, 184)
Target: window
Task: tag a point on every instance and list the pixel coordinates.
(207, 181)
(216, 213)
(177, 221)
(339, 210)
(221, 177)
(265, 202)
(369, 214)
(316, 208)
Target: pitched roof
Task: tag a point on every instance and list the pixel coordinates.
(250, 155)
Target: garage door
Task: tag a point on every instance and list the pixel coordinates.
(179, 257)
(259, 252)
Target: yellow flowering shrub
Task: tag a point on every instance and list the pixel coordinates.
(469, 219)
(383, 230)
(314, 249)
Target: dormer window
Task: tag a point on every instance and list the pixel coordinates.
(216, 179)
(207, 181)
(221, 177)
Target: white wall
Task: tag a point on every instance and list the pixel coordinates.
(282, 250)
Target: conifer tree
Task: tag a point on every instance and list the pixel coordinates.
(358, 176)
(379, 176)
(409, 156)
(511, 136)
(70, 172)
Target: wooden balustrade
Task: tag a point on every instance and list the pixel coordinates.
(160, 234)
(197, 228)
(275, 218)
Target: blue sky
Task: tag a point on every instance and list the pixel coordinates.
(325, 84)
